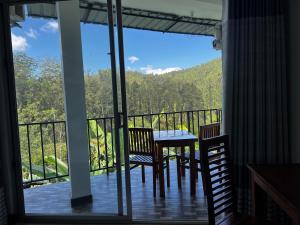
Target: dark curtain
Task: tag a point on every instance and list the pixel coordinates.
(255, 87)
(3, 208)
(3, 205)
(11, 198)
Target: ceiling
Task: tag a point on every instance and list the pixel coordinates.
(197, 17)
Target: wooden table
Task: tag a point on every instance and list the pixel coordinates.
(175, 138)
(281, 183)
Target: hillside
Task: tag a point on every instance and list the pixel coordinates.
(193, 88)
(40, 92)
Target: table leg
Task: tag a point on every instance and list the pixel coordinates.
(192, 169)
(182, 159)
(258, 198)
(161, 171)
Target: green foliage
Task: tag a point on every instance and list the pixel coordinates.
(100, 146)
(61, 166)
(40, 92)
(38, 170)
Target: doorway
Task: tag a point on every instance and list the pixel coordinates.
(46, 165)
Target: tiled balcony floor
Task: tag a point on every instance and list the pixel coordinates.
(178, 205)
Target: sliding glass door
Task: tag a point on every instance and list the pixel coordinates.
(51, 168)
(120, 107)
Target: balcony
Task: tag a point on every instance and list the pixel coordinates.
(45, 169)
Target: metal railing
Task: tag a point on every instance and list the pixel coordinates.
(44, 145)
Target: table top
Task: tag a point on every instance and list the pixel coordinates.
(173, 135)
(281, 181)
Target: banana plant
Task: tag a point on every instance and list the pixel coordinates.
(38, 171)
(100, 151)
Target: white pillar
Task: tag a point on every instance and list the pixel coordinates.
(75, 108)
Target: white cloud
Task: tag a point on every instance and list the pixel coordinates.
(133, 59)
(51, 26)
(157, 71)
(32, 33)
(19, 43)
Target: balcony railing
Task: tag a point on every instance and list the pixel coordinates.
(44, 145)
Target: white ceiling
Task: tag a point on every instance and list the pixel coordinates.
(208, 9)
(197, 17)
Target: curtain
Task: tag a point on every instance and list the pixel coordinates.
(255, 87)
(3, 209)
(3, 206)
(11, 198)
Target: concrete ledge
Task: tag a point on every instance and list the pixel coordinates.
(81, 201)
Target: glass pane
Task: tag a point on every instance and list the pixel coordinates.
(39, 76)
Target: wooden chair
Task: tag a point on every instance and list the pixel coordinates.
(217, 169)
(142, 152)
(205, 131)
(209, 131)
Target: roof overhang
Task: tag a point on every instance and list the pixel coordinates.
(197, 17)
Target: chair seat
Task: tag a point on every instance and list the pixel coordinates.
(143, 159)
(243, 220)
(197, 155)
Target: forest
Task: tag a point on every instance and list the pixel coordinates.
(39, 90)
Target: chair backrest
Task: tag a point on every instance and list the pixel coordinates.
(141, 141)
(209, 131)
(217, 169)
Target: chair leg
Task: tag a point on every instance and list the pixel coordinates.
(203, 182)
(143, 173)
(154, 180)
(168, 172)
(182, 162)
(197, 169)
(178, 172)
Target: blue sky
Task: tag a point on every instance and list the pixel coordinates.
(145, 51)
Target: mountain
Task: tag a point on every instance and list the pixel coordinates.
(199, 87)
(40, 92)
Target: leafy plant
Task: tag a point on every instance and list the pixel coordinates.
(38, 170)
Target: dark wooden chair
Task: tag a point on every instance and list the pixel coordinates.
(142, 152)
(209, 131)
(205, 131)
(217, 170)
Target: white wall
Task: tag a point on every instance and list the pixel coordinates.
(294, 77)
